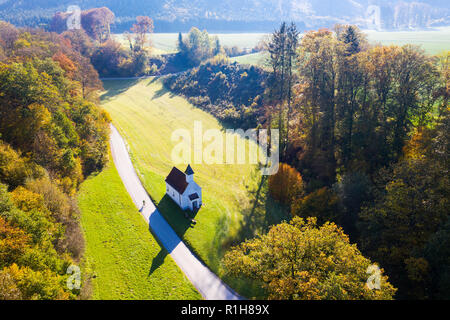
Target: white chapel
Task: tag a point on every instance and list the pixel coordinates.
(182, 189)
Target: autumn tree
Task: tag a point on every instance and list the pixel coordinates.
(109, 59)
(80, 41)
(37, 285)
(286, 184)
(66, 64)
(356, 104)
(13, 243)
(51, 139)
(97, 23)
(349, 80)
(142, 27)
(303, 261)
(8, 36)
(8, 287)
(316, 101)
(14, 169)
(89, 80)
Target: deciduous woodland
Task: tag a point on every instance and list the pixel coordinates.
(365, 142)
(52, 136)
(364, 148)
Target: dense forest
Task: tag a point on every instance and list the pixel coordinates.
(52, 136)
(365, 138)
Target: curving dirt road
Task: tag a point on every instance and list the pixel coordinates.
(207, 283)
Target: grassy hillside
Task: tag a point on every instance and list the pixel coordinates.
(123, 255)
(146, 114)
(255, 59)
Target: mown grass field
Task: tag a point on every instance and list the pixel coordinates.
(146, 114)
(122, 254)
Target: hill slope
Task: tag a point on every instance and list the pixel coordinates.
(146, 115)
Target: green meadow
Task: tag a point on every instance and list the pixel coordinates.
(124, 259)
(146, 114)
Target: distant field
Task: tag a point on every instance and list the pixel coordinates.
(146, 114)
(434, 42)
(167, 42)
(126, 260)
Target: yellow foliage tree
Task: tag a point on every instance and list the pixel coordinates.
(302, 261)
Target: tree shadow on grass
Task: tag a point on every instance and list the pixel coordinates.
(163, 91)
(261, 213)
(152, 81)
(114, 88)
(158, 261)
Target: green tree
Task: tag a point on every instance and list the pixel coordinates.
(352, 37)
(197, 47)
(437, 255)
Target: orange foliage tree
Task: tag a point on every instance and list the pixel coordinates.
(286, 185)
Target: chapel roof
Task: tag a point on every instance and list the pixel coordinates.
(177, 180)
